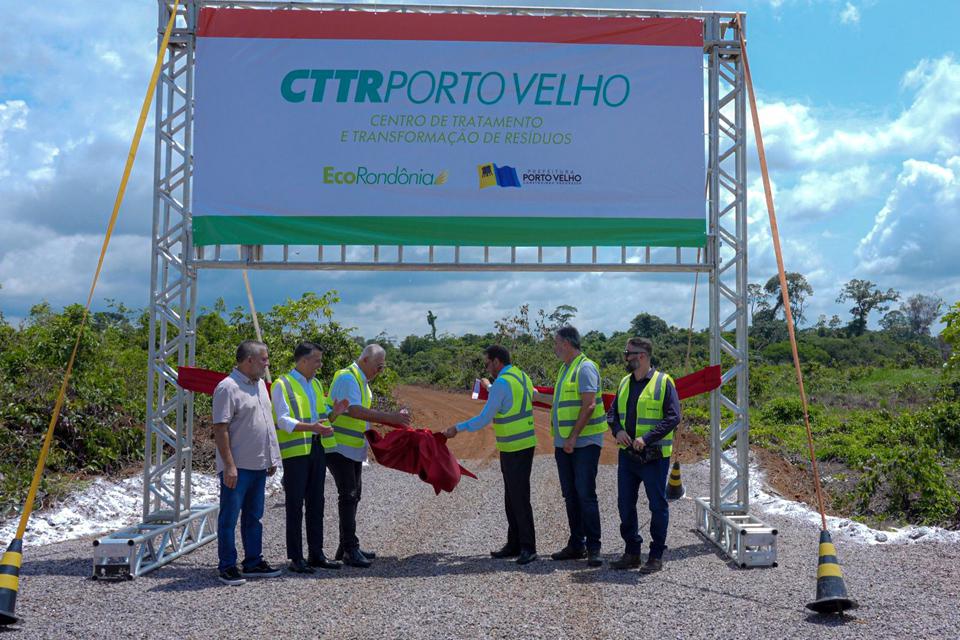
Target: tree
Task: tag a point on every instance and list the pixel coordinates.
(756, 298)
(547, 325)
(895, 323)
(647, 325)
(866, 297)
(797, 288)
(951, 335)
(921, 312)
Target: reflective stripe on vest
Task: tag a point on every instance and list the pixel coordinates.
(567, 403)
(299, 443)
(514, 429)
(347, 431)
(649, 408)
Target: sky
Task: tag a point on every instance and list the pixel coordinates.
(859, 103)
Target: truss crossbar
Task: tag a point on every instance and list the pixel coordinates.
(171, 527)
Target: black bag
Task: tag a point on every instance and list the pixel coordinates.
(649, 453)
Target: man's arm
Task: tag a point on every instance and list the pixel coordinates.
(221, 436)
(500, 397)
(348, 388)
(671, 417)
(542, 397)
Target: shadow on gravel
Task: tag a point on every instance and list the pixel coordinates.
(831, 620)
(438, 564)
(59, 567)
(184, 579)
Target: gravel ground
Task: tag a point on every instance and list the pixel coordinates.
(434, 579)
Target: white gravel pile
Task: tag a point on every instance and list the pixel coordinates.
(434, 579)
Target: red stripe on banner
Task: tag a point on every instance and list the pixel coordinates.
(360, 25)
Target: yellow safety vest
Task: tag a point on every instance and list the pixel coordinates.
(649, 408)
(347, 431)
(566, 402)
(298, 443)
(514, 428)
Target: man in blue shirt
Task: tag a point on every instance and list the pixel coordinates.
(510, 408)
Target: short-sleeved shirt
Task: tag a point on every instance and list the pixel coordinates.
(588, 381)
(244, 406)
(347, 387)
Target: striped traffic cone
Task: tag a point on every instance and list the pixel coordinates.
(675, 489)
(831, 592)
(10, 581)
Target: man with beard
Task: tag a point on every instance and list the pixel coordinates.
(510, 407)
(643, 416)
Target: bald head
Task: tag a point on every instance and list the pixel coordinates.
(372, 360)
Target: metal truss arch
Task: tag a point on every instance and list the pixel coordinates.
(171, 525)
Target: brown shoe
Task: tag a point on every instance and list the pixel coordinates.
(626, 561)
(652, 566)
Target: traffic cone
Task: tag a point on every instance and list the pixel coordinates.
(675, 489)
(831, 592)
(10, 581)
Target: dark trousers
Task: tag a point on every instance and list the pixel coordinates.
(516, 467)
(346, 473)
(245, 498)
(578, 483)
(303, 478)
(631, 473)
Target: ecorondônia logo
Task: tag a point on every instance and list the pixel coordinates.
(492, 175)
(398, 176)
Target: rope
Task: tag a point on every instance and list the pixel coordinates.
(58, 405)
(253, 312)
(775, 234)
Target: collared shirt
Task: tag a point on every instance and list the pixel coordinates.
(286, 421)
(244, 406)
(347, 387)
(588, 381)
(671, 411)
(500, 400)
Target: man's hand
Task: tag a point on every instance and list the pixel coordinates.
(400, 417)
(271, 470)
(569, 444)
(485, 383)
(639, 444)
(325, 431)
(339, 408)
(230, 477)
(624, 438)
(450, 432)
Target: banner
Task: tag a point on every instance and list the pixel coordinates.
(335, 127)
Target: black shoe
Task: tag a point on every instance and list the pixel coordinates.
(526, 557)
(356, 558)
(627, 561)
(369, 555)
(299, 566)
(653, 565)
(594, 559)
(321, 562)
(232, 577)
(505, 552)
(261, 570)
(569, 553)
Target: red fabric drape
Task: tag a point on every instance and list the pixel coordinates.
(421, 452)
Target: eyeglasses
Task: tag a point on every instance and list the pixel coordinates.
(629, 353)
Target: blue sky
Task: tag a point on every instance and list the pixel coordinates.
(859, 101)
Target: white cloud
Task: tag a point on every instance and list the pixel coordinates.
(796, 136)
(818, 193)
(850, 14)
(914, 235)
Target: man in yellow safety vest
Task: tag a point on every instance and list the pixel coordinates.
(578, 426)
(300, 407)
(348, 449)
(510, 407)
(643, 417)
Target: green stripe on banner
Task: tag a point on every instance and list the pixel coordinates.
(449, 231)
